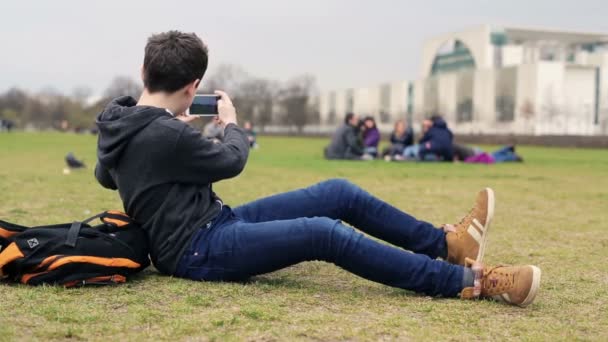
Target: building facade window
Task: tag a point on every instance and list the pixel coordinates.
(410, 103)
(464, 97)
(385, 103)
(350, 100)
(331, 117)
(596, 109)
(431, 97)
(505, 90)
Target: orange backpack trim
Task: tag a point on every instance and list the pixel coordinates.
(6, 233)
(116, 221)
(57, 261)
(8, 255)
(114, 279)
(108, 262)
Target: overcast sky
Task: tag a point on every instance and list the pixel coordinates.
(64, 44)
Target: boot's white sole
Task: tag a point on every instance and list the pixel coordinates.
(486, 228)
(536, 275)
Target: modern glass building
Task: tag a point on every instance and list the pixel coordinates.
(490, 80)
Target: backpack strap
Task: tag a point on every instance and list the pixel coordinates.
(73, 234)
(94, 217)
(115, 218)
(74, 231)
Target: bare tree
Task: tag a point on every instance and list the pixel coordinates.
(254, 100)
(226, 77)
(121, 86)
(14, 99)
(252, 96)
(81, 94)
(295, 98)
(260, 100)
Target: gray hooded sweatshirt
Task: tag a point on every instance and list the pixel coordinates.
(163, 169)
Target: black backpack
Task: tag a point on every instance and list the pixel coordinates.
(74, 254)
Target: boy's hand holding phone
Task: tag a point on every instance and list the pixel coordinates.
(219, 106)
(225, 109)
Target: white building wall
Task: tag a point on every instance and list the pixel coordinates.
(598, 59)
(483, 101)
(447, 97)
(527, 106)
(398, 106)
(512, 55)
(324, 107)
(602, 126)
(367, 101)
(362, 102)
(549, 90)
(483, 105)
(579, 102)
(340, 106)
(418, 110)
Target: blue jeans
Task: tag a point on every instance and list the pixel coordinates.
(303, 225)
(372, 151)
(412, 152)
(504, 154)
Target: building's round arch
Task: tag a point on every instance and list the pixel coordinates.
(452, 55)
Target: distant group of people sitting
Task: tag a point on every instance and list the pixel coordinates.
(213, 130)
(359, 140)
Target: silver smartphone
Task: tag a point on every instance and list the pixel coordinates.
(204, 105)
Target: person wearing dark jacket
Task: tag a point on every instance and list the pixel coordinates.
(437, 141)
(402, 137)
(164, 171)
(346, 143)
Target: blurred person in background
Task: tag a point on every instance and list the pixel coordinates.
(436, 143)
(371, 136)
(401, 137)
(346, 142)
(6, 125)
(469, 154)
(213, 130)
(251, 134)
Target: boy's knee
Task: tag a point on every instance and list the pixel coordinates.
(339, 186)
(329, 229)
(330, 237)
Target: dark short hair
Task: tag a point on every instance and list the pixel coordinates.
(348, 117)
(172, 60)
(436, 118)
(370, 118)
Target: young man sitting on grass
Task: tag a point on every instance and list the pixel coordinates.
(164, 171)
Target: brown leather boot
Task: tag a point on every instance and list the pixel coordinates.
(467, 239)
(515, 285)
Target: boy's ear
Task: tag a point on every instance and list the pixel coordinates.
(192, 87)
(141, 72)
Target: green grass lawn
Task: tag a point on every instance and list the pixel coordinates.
(552, 211)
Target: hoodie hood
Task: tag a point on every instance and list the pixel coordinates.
(120, 121)
(440, 123)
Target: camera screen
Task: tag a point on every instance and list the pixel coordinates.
(204, 104)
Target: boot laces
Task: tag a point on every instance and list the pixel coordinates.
(500, 281)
